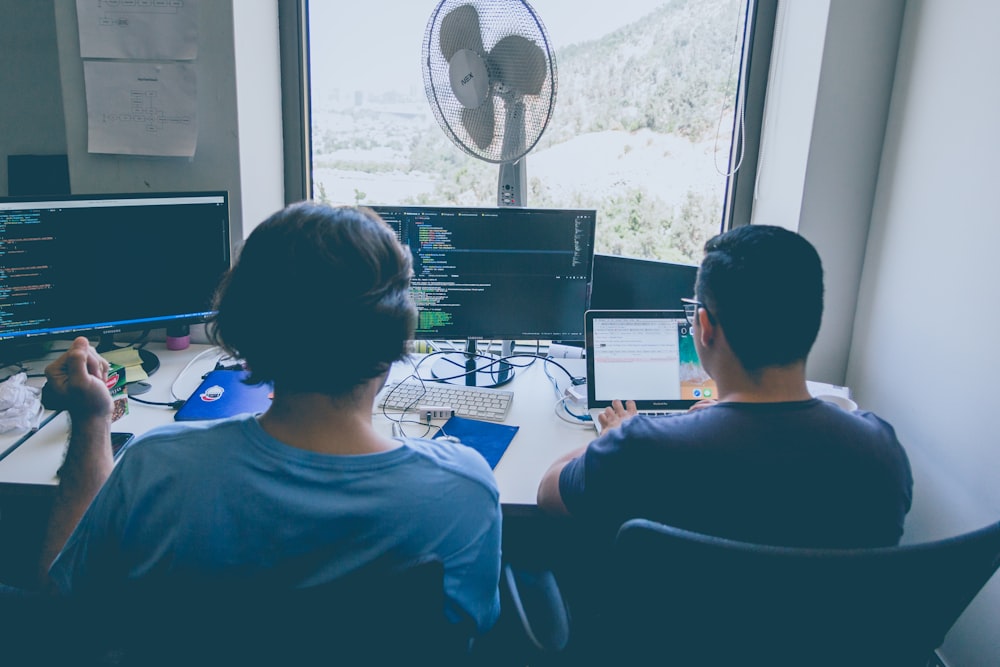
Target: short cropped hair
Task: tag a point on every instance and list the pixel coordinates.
(318, 300)
(764, 284)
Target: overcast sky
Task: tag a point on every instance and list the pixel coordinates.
(375, 44)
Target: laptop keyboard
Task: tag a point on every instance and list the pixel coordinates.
(473, 402)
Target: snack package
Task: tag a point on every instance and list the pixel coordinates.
(116, 385)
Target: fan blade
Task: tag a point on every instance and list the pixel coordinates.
(460, 30)
(480, 123)
(518, 63)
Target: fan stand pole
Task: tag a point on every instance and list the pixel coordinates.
(511, 192)
(512, 183)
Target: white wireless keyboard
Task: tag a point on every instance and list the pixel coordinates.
(474, 402)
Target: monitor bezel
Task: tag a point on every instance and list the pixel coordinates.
(102, 330)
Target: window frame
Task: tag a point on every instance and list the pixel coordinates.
(293, 26)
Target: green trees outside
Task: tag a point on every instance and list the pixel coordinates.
(670, 74)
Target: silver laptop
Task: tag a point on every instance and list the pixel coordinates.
(644, 355)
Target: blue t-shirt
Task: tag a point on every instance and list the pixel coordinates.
(802, 473)
(213, 498)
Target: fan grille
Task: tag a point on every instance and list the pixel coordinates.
(497, 19)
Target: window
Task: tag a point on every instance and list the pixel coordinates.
(651, 99)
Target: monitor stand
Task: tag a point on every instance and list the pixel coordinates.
(474, 369)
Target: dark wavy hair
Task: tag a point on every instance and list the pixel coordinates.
(765, 285)
(318, 300)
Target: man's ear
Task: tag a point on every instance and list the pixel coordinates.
(707, 330)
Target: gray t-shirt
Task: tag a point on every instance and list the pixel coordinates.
(802, 473)
(197, 499)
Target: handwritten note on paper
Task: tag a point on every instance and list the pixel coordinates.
(140, 29)
(141, 108)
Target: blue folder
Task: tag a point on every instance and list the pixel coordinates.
(223, 393)
(488, 438)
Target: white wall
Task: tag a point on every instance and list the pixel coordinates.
(828, 97)
(31, 111)
(887, 166)
(789, 112)
(925, 352)
(258, 95)
(216, 163)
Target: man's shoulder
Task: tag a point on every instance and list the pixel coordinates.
(182, 441)
(196, 429)
(454, 458)
(725, 422)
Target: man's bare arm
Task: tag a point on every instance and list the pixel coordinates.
(549, 498)
(76, 382)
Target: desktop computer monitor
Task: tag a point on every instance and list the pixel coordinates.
(501, 273)
(626, 283)
(96, 265)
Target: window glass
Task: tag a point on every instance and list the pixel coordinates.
(641, 129)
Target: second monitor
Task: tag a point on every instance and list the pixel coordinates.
(628, 283)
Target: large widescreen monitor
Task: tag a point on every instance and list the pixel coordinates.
(497, 273)
(501, 273)
(96, 265)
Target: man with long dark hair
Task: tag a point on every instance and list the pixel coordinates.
(318, 304)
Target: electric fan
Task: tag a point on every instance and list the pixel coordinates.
(490, 77)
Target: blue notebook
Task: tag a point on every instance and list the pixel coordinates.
(488, 438)
(223, 393)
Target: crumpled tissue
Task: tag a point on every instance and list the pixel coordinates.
(20, 404)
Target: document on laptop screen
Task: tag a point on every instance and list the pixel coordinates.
(636, 357)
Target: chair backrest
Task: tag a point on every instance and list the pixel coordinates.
(699, 599)
(378, 616)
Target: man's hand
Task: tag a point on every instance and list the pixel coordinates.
(616, 413)
(76, 382)
(702, 404)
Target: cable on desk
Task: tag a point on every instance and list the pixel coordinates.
(20, 441)
(576, 380)
(173, 385)
(492, 361)
(579, 420)
(397, 426)
(173, 405)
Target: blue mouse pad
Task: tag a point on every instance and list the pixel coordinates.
(223, 393)
(488, 438)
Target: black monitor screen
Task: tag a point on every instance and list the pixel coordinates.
(625, 283)
(497, 273)
(99, 264)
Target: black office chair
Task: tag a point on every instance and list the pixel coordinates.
(674, 597)
(378, 616)
(701, 600)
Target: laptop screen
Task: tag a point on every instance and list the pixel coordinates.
(644, 355)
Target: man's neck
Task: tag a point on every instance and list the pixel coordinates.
(319, 423)
(775, 384)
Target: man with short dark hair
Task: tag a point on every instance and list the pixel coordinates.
(765, 462)
(308, 491)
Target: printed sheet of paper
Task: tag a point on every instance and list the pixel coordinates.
(138, 29)
(141, 108)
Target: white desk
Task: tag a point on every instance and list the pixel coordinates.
(542, 436)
